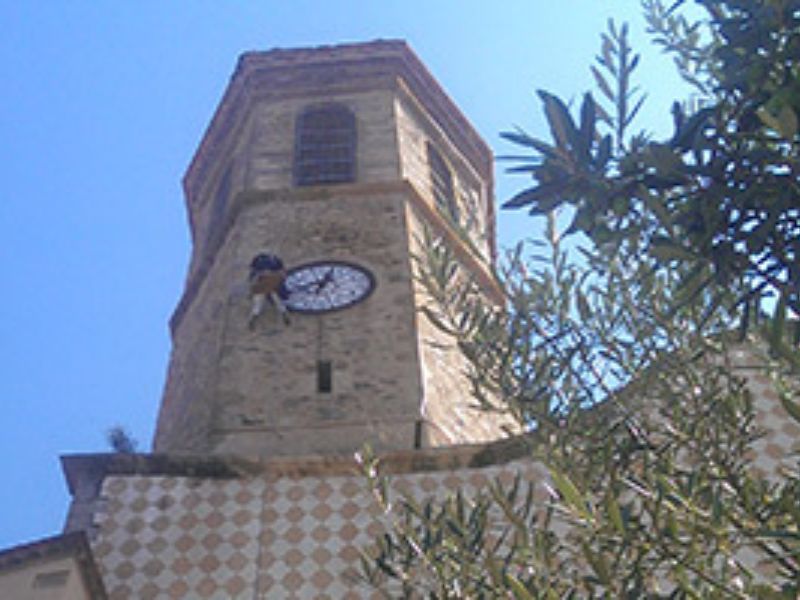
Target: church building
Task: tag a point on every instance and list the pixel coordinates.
(337, 161)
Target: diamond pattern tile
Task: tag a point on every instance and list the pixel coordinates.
(781, 433)
(174, 537)
(314, 527)
(287, 536)
(781, 439)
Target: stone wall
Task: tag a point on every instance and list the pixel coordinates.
(415, 130)
(58, 579)
(326, 72)
(230, 390)
(254, 392)
(56, 568)
(261, 156)
(233, 390)
(451, 413)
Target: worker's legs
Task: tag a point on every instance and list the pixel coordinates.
(256, 309)
(276, 300)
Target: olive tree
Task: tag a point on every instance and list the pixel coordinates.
(616, 353)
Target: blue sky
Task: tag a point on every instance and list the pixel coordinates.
(102, 106)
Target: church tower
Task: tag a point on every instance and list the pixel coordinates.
(337, 160)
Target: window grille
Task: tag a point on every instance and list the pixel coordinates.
(325, 146)
(442, 184)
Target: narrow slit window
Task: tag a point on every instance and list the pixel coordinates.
(324, 377)
(442, 184)
(418, 434)
(325, 146)
(219, 207)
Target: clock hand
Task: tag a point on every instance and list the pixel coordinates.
(314, 286)
(326, 279)
(302, 287)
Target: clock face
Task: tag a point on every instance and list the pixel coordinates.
(327, 285)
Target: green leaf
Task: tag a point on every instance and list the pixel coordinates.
(778, 325)
(602, 114)
(685, 137)
(570, 493)
(791, 407)
(665, 250)
(523, 139)
(665, 159)
(437, 322)
(614, 514)
(587, 132)
(602, 83)
(545, 196)
(598, 563)
(524, 169)
(520, 591)
(656, 203)
(691, 284)
(584, 310)
(583, 221)
(788, 121)
(603, 153)
(607, 48)
(767, 118)
(636, 108)
(493, 566)
(561, 124)
(785, 122)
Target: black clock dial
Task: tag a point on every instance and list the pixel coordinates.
(327, 285)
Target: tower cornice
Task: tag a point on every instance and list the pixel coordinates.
(343, 68)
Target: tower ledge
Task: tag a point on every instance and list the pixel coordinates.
(85, 473)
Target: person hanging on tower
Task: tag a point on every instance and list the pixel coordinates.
(267, 284)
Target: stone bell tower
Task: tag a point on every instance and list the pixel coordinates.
(336, 159)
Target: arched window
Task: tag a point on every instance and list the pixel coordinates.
(325, 146)
(442, 184)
